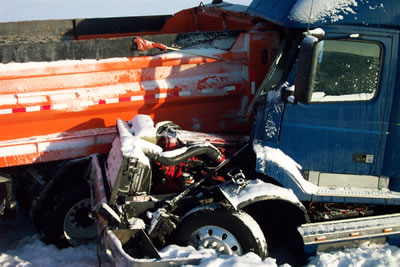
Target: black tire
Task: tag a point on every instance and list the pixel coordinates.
(72, 200)
(216, 228)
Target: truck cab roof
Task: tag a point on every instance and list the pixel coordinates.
(299, 13)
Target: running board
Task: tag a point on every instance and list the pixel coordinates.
(349, 233)
(357, 193)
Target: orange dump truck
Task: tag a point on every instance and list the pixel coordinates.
(64, 83)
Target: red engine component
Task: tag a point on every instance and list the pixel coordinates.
(172, 179)
(169, 178)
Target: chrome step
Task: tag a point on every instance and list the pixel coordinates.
(326, 235)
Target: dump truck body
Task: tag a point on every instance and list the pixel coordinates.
(64, 84)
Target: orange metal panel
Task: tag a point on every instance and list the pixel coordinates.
(66, 109)
(204, 18)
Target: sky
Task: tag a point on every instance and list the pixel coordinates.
(19, 10)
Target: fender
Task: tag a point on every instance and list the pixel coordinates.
(211, 207)
(246, 192)
(282, 168)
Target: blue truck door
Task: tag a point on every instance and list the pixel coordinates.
(341, 130)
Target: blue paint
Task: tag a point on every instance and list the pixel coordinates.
(324, 137)
(368, 13)
(326, 128)
(391, 149)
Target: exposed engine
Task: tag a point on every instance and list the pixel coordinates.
(188, 158)
(164, 159)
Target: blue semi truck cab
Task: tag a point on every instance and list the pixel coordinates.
(343, 129)
(330, 129)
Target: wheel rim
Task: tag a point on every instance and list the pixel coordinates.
(216, 238)
(78, 227)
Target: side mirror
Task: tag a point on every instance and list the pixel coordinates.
(306, 69)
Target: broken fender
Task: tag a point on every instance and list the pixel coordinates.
(240, 195)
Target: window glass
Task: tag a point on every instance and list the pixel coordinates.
(346, 71)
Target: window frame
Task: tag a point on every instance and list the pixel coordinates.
(381, 56)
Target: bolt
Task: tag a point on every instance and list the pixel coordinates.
(205, 244)
(240, 181)
(214, 244)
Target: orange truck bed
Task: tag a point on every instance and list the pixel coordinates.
(60, 97)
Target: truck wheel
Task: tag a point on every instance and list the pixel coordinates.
(226, 231)
(65, 221)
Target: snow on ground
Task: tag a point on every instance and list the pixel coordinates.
(20, 246)
(367, 255)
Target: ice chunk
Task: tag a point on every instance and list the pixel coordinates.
(133, 146)
(143, 127)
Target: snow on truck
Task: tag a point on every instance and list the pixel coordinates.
(292, 134)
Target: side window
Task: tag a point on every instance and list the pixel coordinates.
(346, 71)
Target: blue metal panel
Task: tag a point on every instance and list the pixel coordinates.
(393, 240)
(276, 11)
(385, 13)
(391, 159)
(325, 136)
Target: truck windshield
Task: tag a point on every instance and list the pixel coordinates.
(346, 71)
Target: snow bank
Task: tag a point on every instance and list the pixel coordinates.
(366, 255)
(33, 252)
(247, 260)
(21, 246)
(174, 251)
(321, 10)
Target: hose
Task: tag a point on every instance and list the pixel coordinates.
(177, 156)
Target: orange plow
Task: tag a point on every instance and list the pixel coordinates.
(61, 109)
